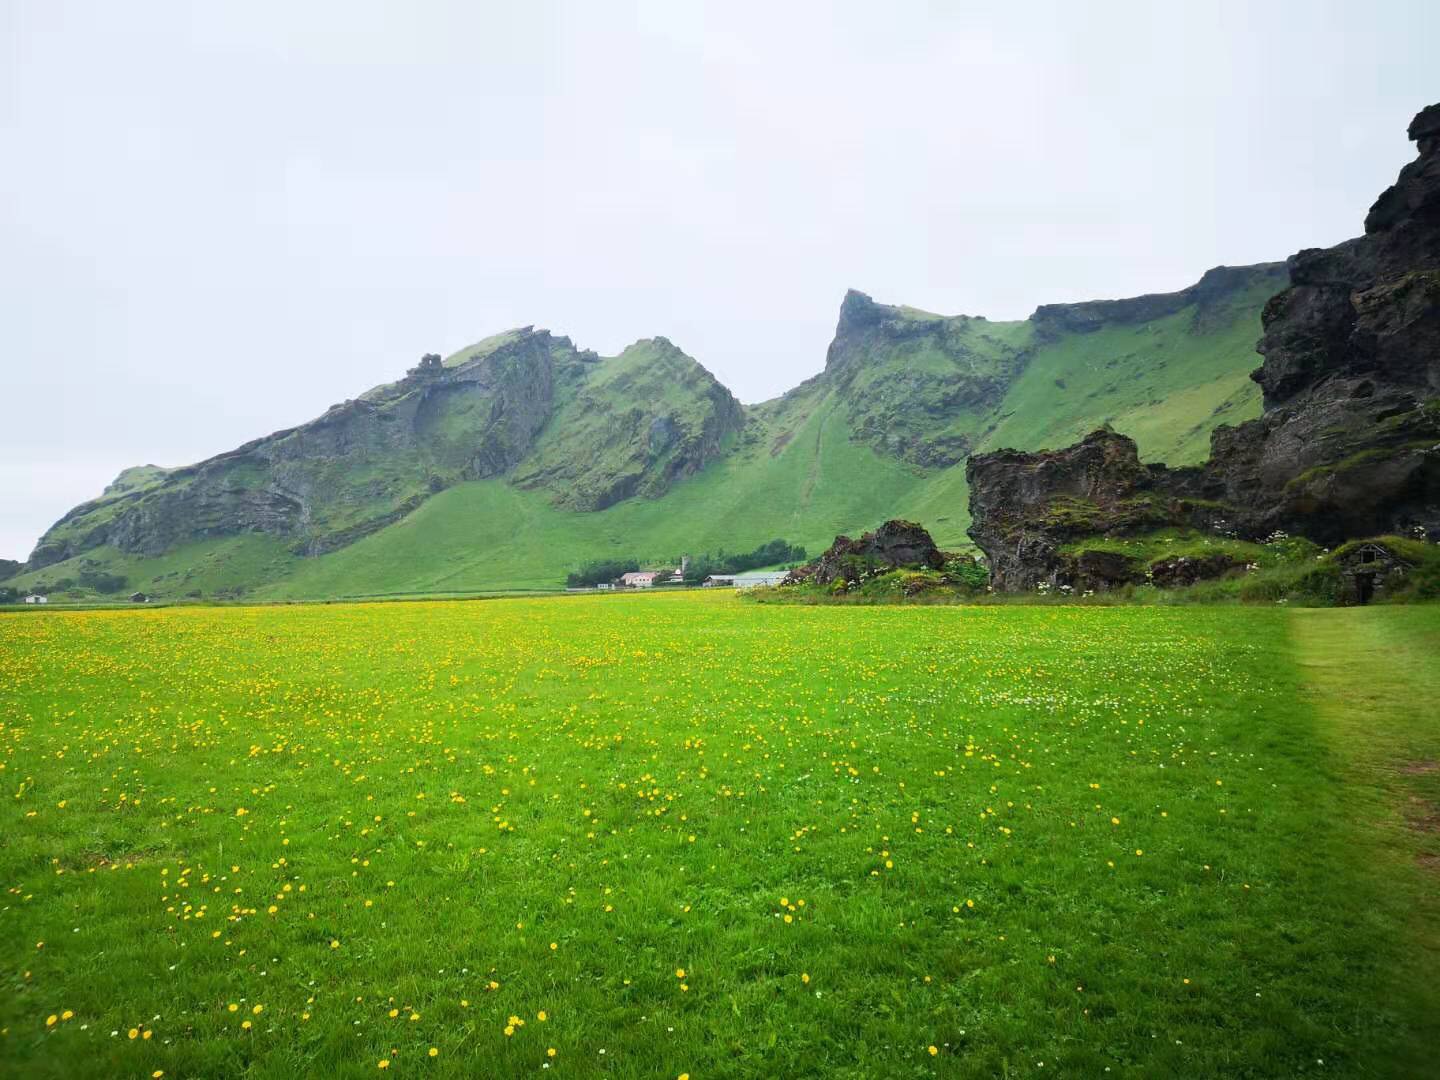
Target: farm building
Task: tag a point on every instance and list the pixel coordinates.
(746, 581)
(638, 579)
(36, 598)
(1367, 569)
(139, 598)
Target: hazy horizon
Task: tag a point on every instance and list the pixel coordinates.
(216, 222)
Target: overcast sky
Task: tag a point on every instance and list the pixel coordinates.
(218, 218)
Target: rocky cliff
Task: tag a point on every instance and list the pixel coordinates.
(641, 421)
(904, 397)
(1027, 507)
(1348, 443)
(371, 460)
(894, 544)
(905, 374)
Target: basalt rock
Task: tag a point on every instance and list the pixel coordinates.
(1349, 441)
(1182, 570)
(1027, 507)
(894, 544)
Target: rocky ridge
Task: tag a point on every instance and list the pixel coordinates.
(894, 544)
(371, 460)
(1349, 441)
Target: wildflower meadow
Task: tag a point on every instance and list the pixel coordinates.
(691, 836)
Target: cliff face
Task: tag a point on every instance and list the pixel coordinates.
(1347, 445)
(367, 462)
(641, 421)
(1349, 441)
(1026, 507)
(903, 375)
(363, 464)
(1213, 297)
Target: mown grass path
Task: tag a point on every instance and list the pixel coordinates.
(1373, 678)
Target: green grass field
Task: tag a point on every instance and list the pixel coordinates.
(690, 835)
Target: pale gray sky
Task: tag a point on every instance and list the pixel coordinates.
(216, 219)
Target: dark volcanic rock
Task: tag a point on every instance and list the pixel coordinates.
(894, 544)
(1101, 571)
(1348, 444)
(1025, 507)
(1182, 570)
(1216, 289)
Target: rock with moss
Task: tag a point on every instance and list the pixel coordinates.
(1349, 441)
(895, 544)
(1026, 508)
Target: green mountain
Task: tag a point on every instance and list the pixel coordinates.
(508, 463)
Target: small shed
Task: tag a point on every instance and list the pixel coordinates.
(1367, 569)
(139, 598)
(36, 598)
(754, 580)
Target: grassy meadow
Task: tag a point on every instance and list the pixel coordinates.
(688, 835)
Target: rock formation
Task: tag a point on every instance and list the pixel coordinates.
(1025, 508)
(369, 461)
(893, 544)
(1349, 441)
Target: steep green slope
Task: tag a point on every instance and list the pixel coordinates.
(639, 421)
(489, 534)
(646, 455)
(1165, 382)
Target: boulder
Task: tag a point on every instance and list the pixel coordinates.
(894, 544)
(1182, 570)
(1026, 507)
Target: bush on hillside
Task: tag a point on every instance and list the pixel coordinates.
(598, 571)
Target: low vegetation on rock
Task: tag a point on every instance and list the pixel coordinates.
(1348, 445)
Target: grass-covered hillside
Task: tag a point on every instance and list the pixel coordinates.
(491, 475)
